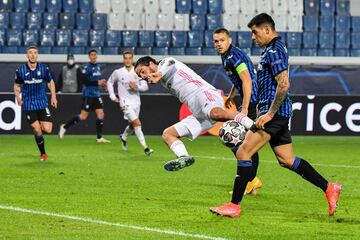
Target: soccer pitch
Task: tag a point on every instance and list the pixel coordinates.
(91, 191)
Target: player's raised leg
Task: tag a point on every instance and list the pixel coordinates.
(123, 137)
(99, 126)
(73, 121)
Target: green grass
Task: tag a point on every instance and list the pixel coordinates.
(102, 182)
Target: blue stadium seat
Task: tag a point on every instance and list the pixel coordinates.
(197, 21)
(160, 50)
(70, 6)
(199, 6)
(113, 38)
(50, 20)
(325, 52)
(110, 50)
(311, 7)
(193, 51)
(355, 40)
(63, 37)
(327, 23)
(44, 50)
(130, 38)
(244, 40)
(344, 52)
(77, 50)
(213, 21)
(10, 49)
(342, 40)
(177, 51)
(6, 5)
(308, 52)
(146, 39)
(53, 6)
(31, 37)
(34, 20)
(293, 39)
(208, 39)
(59, 50)
(97, 38)
(22, 49)
(282, 35)
(178, 39)
(21, 5)
(355, 52)
(83, 21)
(209, 51)
(195, 38)
(162, 38)
(143, 51)
(215, 6)
(311, 22)
(37, 6)
(327, 7)
(256, 51)
(4, 20)
(310, 39)
(98, 49)
(47, 37)
(2, 37)
(234, 38)
(342, 23)
(14, 37)
(326, 40)
(80, 38)
(66, 20)
(355, 23)
(86, 6)
(343, 7)
(17, 20)
(183, 6)
(99, 21)
(294, 52)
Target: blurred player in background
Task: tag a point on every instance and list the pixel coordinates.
(203, 100)
(242, 74)
(275, 111)
(31, 80)
(91, 98)
(129, 85)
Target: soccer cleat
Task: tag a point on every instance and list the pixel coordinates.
(43, 157)
(123, 144)
(332, 194)
(62, 131)
(148, 151)
(253, 186)
(102, 140)
(227, 210)
(179, 163)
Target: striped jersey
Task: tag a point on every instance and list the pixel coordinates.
(274, 60)
(91, 86)
(33, 86)
(234, 62)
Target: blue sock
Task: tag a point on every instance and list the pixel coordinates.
(244, 173)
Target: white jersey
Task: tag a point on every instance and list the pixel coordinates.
(181, 81)
(123, 77)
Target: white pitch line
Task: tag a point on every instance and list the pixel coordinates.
(120, 225)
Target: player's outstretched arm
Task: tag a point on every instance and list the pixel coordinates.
(247, 88)
(230, 99)
(110, 87)
(53, 100)
(17, 90)
(142, 86)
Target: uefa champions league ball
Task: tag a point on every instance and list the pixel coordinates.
(232, 133)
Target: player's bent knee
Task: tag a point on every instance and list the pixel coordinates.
(167, 135)
(243, 153)
(136, 123)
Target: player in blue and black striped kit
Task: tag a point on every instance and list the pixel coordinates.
(91, 98)
(242, 74)
(31, 80)
(275, 111)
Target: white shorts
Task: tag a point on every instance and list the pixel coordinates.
(202, 103)
(131, 112)
(191, 127)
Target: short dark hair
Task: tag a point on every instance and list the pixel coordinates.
(145, 61)
(92, 50)
(222, 30)
(260, 19)
(128, 52)
(31, 47)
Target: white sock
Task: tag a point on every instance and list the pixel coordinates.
(140, 136)
(244, 120)
(179, 149)
(128, 131)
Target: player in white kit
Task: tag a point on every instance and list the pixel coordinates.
(202, 99)
(129, 85)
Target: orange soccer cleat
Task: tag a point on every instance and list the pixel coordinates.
(228, 210)
(332, 194)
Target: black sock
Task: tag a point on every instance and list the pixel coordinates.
(244, 173)
(255, 163)
(305, 170)
(99, 126)
(72, 122)
(40, 143)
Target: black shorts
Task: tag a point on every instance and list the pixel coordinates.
(42, 115)
(92, 103)
(278, 128)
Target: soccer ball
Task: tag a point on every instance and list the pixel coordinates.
(232, 133)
